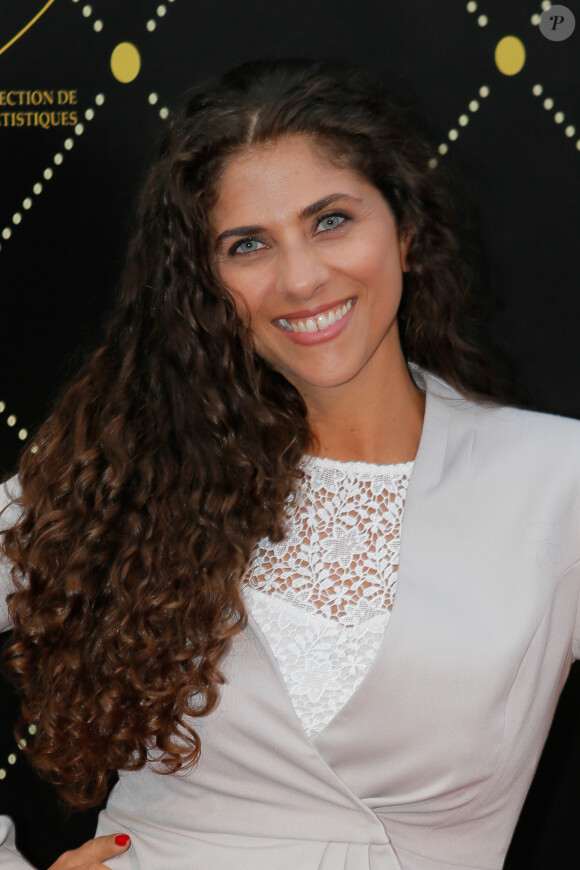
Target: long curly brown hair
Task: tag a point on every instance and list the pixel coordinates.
(177, 447)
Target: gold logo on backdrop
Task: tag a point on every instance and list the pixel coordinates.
(39, 108)
(26, 27)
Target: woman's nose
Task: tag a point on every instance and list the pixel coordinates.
(301, 271)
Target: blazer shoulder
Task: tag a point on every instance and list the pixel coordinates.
(523, 437)
(550, 434)
(515, 423)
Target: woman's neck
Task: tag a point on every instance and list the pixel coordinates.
(369, 422)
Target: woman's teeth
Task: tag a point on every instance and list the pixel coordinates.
(320, 321)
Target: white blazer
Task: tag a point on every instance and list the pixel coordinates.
(428, 763)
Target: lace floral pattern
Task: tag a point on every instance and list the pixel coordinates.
(323, 595)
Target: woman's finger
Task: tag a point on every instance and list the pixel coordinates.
(90, 855)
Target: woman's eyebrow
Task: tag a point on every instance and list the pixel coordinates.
(311, 210)
(306, 212)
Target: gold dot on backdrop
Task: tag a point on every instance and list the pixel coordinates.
(510, 55)
(125, 62)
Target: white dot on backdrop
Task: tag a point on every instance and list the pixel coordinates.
(471, 6)
(23, 434)
(37, 189)
(79, 129)
(2, 773)
(535, 19)
(570, 130)
(153, 98)
(151, 25)
(11, 420)
(548, 103)
(432, 162)
(473, 106)
(69, 143)
(463, 120)
(537, 90)
(484, 91)
(161, 10)
(546, 4)
(58, 158)
(98, 25)
(164, 113)
(6, 233)
(32, 729)
(87, 10)
(100, 99)
(453, 134)
(27, 203)
(22, 743)
(443, 148)
(482, 20)
(90, 114)
(559, 117)
(578, 145)
(16, 217)
(33, 449)
(11, 758)
(48, 173)
(2, 407)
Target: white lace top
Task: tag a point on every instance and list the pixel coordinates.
(322, 597)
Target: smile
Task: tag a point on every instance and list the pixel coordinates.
(319, 321)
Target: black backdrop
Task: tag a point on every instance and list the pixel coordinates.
(74, 141)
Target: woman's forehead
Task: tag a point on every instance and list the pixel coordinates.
(293, 170)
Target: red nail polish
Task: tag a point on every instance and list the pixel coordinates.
(122, 839)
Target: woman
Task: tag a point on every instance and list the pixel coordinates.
(210, 529)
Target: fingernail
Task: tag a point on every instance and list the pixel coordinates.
(122, 839)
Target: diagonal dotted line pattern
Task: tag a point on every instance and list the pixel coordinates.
(12, 758)
(161, 12)
(11, 420)
(153, 99)
(462, 121)
(535, 19)
(538, 89)
(559, 117)
(47, 174)
(87, 11)
(482, 18)
(38, 187)
(58, 158)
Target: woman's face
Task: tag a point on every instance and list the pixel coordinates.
(312, 255)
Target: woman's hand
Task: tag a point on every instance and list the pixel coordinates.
(92, 853)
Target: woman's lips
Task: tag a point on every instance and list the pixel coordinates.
(319, 327)
(316, 322)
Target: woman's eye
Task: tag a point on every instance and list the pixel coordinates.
(331, 221)
(247, 246)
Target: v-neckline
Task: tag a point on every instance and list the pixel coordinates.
(427, 468)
